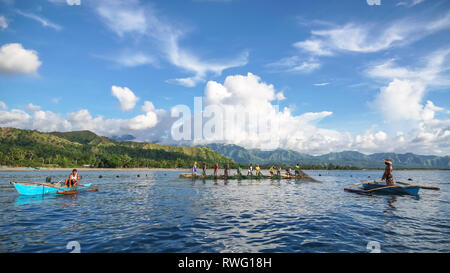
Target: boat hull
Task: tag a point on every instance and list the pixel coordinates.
(25, 188)
(402, 190)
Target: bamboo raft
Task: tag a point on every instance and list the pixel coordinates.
(303, 176)
(380, 187)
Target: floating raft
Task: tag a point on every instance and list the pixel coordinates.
(246, 177)
(37, 188)
(380, 187)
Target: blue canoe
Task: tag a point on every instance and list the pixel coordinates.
(399, 190)
(33, 188)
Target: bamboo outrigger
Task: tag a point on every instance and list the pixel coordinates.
(247, 177)
(380, 187)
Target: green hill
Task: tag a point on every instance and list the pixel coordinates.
(76, 149)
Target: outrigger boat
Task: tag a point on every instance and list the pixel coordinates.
(380, 187)
(36, 188)
(246, 177)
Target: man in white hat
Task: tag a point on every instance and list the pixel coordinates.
(388, 172)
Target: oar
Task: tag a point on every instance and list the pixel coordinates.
(382, 188)
(421, 186)
(365, 182)
(371, 190)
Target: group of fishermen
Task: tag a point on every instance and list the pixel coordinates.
(387, 175)
(250, 170)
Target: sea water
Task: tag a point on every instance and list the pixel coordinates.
(157, 212)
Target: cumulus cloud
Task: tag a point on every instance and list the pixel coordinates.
(401, 102)
(3, 105)
(125, 96)
(3, 22)
(248, 104)
(402, 98)
(14, 59)
(31, 107)
(133, 18)
(47, 121)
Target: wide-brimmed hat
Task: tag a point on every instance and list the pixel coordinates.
(388, 161)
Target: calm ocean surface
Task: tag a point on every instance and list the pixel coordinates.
(157, 212)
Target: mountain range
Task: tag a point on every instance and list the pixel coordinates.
(345, 158)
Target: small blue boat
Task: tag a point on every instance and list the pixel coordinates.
(397, 190)
(33, 188)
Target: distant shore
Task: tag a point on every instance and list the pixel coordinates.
(12, 169)
(84, 169)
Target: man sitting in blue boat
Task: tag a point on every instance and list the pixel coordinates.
(73, 179)
(388, 172)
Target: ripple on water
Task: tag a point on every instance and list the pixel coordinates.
(156, 212)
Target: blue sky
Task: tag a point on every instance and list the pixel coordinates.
(375, 77)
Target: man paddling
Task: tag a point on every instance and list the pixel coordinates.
(388, 172)
(73, 179)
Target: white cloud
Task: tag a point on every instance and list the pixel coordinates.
(295, 64)
(315, 47)
(68, 2)
(247, 95)
(430, 73)
(3, 105)
(47, 121)
(402, 98)
(33, 108)
(3, 22)
(148, 107)
(321, 84)
(373, 2)
(410, 3)
(130, 17)
(135, 59)
(366, 38)
(73, 2)
(14, 59)
(44, 22)
(401, 104)
(125, 96)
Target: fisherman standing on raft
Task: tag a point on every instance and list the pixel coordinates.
(388, 172)
(250, 170)
(297, 170)
(194, 169)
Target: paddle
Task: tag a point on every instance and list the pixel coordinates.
(365, 182)
(425, 187)
(382, 188)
